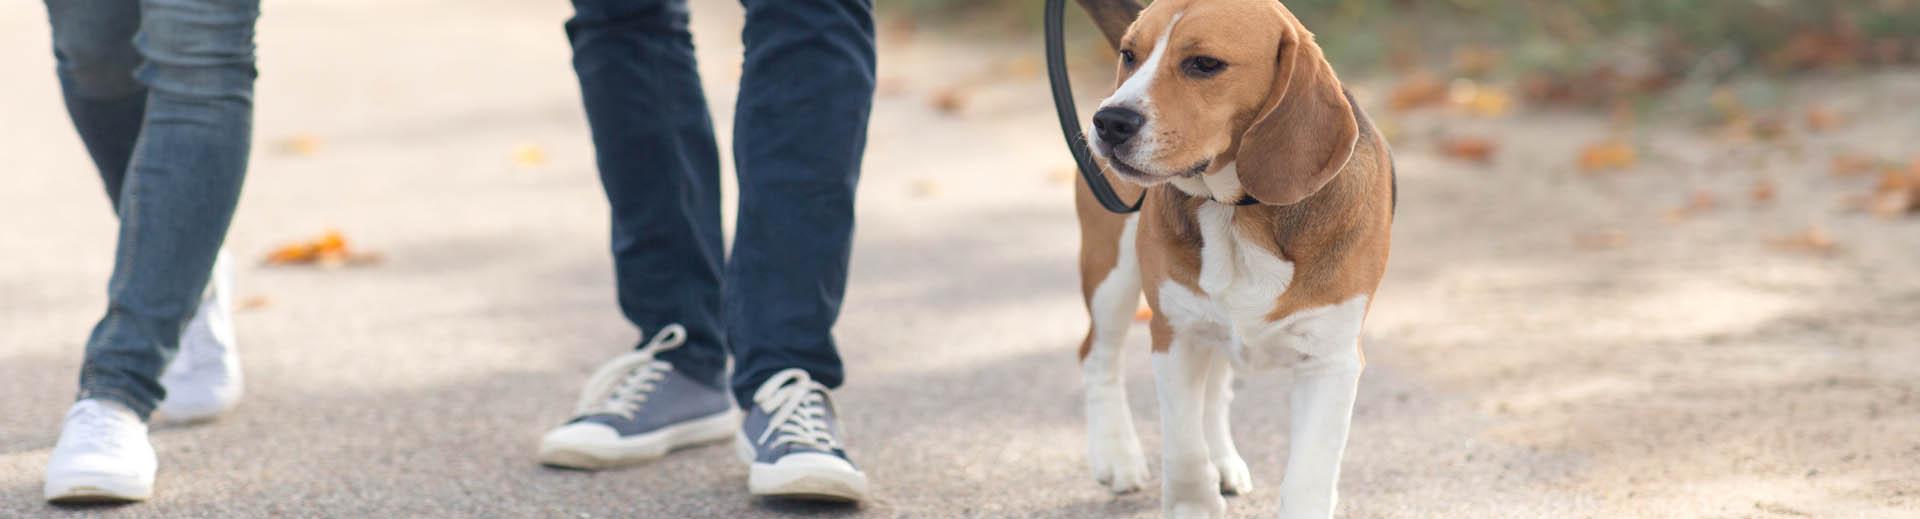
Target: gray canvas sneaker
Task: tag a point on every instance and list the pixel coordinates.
(637, 408)
(791, 438)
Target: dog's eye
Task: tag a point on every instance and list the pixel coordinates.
(1203, 66)
(1126, 57)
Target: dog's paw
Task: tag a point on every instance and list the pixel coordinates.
(1200, 507)
(1117, 463)
(1235, 479)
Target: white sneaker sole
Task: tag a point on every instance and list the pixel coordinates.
(97, 488)
(638, 449)
(811, 483)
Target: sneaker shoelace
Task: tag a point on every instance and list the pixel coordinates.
(94, 427)
(799, 412)
(622, 385)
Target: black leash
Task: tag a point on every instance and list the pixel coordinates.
(1070, 117)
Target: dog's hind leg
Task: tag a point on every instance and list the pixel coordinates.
(1113, 448)
(1235, 479)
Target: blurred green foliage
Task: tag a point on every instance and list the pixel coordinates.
(1666, 38)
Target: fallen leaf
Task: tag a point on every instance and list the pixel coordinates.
(1479, 100)
(1897, 193)
(948, 101)
(1813, 239)
(529, 155)
(301, 145)
(1821, 119)
(1845, 165)
(1768, 128)
(1699, 201)
(1471, 149)
(1606, 239)
(1702, 200)
(329, 250)
(1143, 314)
(254, 303)
(1764, 191)
(924, 188)
(1610, 154)
(1417, 90)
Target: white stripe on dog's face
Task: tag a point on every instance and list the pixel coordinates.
(1134, 94)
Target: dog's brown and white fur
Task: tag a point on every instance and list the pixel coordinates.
(1286, 282)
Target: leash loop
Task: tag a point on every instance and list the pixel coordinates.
(1069, 116)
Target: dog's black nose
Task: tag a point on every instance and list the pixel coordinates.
(1115, 124)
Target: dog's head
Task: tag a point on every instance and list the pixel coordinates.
(1204, 84)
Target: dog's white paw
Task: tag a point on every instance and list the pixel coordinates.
(1235, 479)
(1117, 462)
(1199, 507)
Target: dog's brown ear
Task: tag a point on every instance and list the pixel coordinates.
(1307, 131)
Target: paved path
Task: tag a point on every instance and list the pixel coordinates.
(1690, 373)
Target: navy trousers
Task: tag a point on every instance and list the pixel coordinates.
(799, 131)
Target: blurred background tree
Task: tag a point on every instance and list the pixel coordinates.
(1589, 52)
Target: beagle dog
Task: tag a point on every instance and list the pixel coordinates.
(1262, 237)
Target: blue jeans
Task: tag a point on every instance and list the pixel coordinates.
(799, 131)
(162, 94)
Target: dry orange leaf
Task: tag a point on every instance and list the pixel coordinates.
(327, 250)
(254, 303)
(1699, 201)
(1600, 240)
(1813, 239)
(1418, 90)
(1768, 128)
(529, 155)
(1764, 191)
(1143, 314)
(924, 188)
(1476, 60)
(1845, 165)
(948, 100)
(1472, 149)
(1610, 154)
(1897, 194)
(1821, 119)
(302, 145)
(1479, 100)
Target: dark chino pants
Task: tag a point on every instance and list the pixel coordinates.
(799, 132)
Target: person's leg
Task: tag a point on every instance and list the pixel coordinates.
(182, 182)
(799, 132)
(653, 142)
(94, 56)
(798, 136)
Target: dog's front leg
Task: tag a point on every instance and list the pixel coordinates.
(1235, 478)
(1192, 485)
(1323, 394)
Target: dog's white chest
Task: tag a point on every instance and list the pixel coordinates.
(1242, 284)
(1240, 279)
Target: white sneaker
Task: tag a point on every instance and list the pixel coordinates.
(102, 457)
(204, 379)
